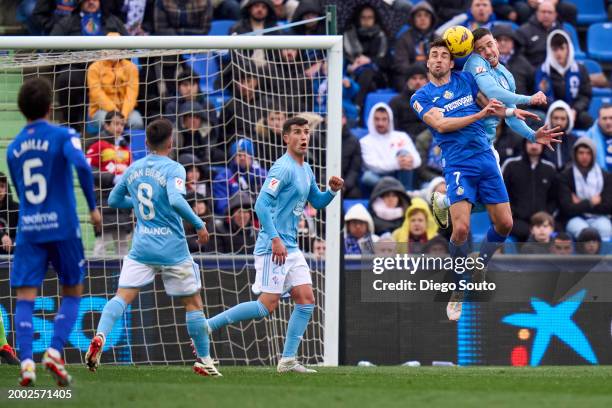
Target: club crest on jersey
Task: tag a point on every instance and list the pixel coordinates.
(460, 191)
(480, 69)
(417, 106)
(179, 184)
(274, 183)
(448, 95)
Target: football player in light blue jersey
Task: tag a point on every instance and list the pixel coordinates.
(154, 187)
(280, 265)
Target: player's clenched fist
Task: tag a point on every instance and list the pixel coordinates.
(336, 183)
(202, 236)
(538, 99)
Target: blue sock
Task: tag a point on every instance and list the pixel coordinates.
(296, 328)
(23, 327)
(113, 310)
(242, 311)
(458, 251)
(490, 244)
(64, 321)
(198, 331)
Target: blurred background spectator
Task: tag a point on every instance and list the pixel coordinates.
(601, 134)
(417, 229)
(359, 237)
(560, 114)
(9, 216)
(388, 203)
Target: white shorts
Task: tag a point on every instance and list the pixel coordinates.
(272, 278)
(179, 280)
(496, 154)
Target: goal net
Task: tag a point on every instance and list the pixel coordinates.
(227, 99)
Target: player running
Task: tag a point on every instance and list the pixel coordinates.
(154, 186)
(495, 81)
(40, 161)
(280, 265)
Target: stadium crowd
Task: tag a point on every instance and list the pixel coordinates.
(561, 201)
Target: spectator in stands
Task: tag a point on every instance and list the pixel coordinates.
(447, 9)
(588, 242)
(404, 117)
(359, 237)
(196, 135)
(479, 15)
(561, 244)
(366, 52)
(241, 113)
(318, 248)
(88, 18)
(243, 173)
(285, 77)
(188, 89)
(196, 174)
(351, 162)
(304, 10)
(177, 17)
(525, 9)
(201, 206)
(430, 153)
(269, 131)
(532, 35)
(513, 59)
(388, 204)
(387, 152)
(541, 228)
(307, 230)
(286, 9)
(238, 232)
(561, 77)
(9, 216)
(585, 192)
(48, 12)
(601, 134)
(560, 114)
(226, 9)
(350, 89)
(417, 229)
(530, 183)
(413, 45)
(507, 142)
(111, 151)
(255, 15)
(139, 15)
(437, 246)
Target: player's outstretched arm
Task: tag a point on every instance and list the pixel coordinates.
(320, 199)
(435, 119)
(492, 90)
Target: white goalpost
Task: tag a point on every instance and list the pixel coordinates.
(246, 87)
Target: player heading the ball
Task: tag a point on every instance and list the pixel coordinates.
(154, 187)
(280, 265)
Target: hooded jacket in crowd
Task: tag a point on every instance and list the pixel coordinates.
(563, 151)
(379, 151)
(603, 145)
(385, 185)
(236, 239)
(79, 23)
(532, 36)
(243, 25)
(405, 118)
(570, 83)
(371, 42)
(407, 243)
(521, 68)
(365, 244)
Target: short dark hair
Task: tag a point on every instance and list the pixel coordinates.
(540, 218)
(158, 132)
(111, 115)
(35, 98)
(294, 121)
(381, 109)
(439, 42)
(604, 106)
(557, 41)
(562, 236)
(480, 32)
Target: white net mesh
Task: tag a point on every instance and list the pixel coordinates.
(215, 99)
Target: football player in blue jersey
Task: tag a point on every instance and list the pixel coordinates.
(154, 187)
(40, 161)
(448, 105)
(280, 265)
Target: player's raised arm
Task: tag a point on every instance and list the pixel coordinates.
(436, 119)
(320, 199)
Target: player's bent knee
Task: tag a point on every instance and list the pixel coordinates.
(460, 232)
(504, 226)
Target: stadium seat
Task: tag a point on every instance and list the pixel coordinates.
(349, 202)
(206, 65)
(594, 68)
(479, 225)
(137, 144)
(578, 52)
(599, 36)
(382, 95)
(596, 103)
(590, 11)
(221, 27)
(359, 132)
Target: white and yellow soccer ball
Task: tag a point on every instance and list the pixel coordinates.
(459, 41)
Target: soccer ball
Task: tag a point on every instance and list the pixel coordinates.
(459, 41)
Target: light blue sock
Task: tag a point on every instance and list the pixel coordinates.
(296, 328)
(113, 310)
(242, 311)
(64, 321)
(198, 331)
(490, 244)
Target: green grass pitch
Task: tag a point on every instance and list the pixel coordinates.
(452, 387)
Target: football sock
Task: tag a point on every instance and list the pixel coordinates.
(492, 241)
(242, 311)
(198, 331)
(64, 321)
(23, 327)
(458, 251)
(113, 310)
(2, 333)
(296, 328)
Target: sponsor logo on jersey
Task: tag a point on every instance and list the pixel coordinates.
(448, 95)
(465, 101)
(480, 69)
(417, 106)
(274, 183)
(179, 184)
(435, 99)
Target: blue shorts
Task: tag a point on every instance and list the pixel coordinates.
(31, 262)
(478, 180)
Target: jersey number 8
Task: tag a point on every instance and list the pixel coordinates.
(145, 194)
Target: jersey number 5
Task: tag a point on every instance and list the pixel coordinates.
(30, 179)
(145, 194)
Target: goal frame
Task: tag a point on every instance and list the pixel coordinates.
(332, 44)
